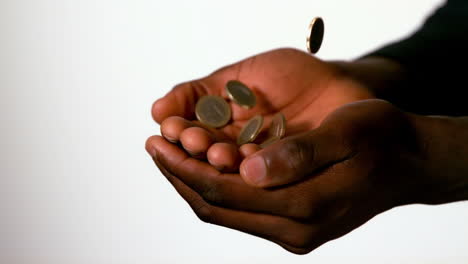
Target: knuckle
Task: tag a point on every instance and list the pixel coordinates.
(302, 240)
(289, 50)
(298, 251)
(203, 212)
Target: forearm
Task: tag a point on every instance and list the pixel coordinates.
(420, 73)
(444, 163)
(383, 77)
(391, 81)
(440, 173)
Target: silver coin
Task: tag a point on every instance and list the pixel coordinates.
(240, 94)
(213, 111)
(277, 126)
(250, 130)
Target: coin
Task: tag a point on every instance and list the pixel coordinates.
(213, 111)
(250, 130)
(315, 35)
(276, 131)
(240, 94)
(278, 126)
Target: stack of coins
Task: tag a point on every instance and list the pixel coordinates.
(214, 111)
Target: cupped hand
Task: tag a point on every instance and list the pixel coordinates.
(302, 87)
(363, 159)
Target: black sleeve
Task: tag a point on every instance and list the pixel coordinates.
(436, 58)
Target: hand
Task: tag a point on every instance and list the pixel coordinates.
(341, 164)
(295, 83)
(365, 158)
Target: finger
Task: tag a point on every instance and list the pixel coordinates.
(180, 101)
(224, 156)
(248, 149)
(291, 159)
(230, 191)
(154, 144)
(173, 126)
(294, 236)
(196, 141)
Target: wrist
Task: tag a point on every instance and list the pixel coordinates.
(444, 142)
(381, 76)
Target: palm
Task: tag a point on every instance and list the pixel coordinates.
(300, 86)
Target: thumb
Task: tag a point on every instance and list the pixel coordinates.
(181, 100)
(294, 158)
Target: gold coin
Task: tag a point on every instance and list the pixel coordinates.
(250, 130)
(278, 126)
(213, 111)
(269, 141)
(315, 35)
(240, 94)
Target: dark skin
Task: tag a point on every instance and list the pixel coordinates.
(347, 157)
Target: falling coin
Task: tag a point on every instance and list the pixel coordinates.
(278, 126)
(250, 130)
(213, 111)
(276, 131)
(315, 35)
(240, 94)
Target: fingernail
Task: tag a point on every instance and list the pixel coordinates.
(197, 155)
(255, 170)
(172, 140)
(219, 168)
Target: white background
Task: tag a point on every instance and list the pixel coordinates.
(77, 80)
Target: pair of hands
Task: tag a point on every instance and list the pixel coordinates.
(346, 156)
